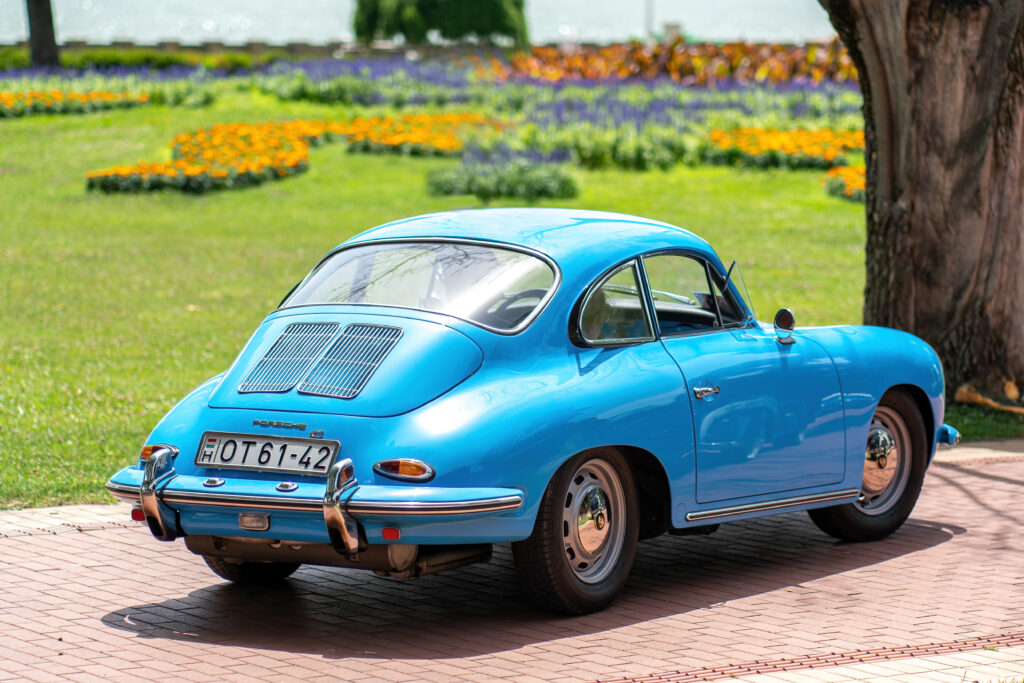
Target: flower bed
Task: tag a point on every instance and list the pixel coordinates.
(27, 102)
(769, 148)
(235, 155)
(690, 63)
(846, 181)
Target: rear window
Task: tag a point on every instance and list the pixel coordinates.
(495, 287)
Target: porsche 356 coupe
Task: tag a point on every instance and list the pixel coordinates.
(567, 381)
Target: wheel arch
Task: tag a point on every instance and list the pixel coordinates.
(923, 403)
(652, 483)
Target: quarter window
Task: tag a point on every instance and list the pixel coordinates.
(614, 312)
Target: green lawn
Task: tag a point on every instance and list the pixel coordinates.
(114, 306)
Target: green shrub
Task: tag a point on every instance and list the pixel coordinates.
(519, 179)
(155, 58)
(837, 188)
(14, 58)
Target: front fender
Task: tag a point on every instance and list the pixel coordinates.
(870, 361)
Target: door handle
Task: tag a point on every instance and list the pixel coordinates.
(701, 392)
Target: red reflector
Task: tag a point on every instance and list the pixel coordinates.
(138, 515)
(390, 533)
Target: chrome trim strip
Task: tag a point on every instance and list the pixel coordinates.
(129, 494)
(770, 505)
(460, 507)
(337, 507)
(526, 322)
(158, 472)
(231, 500)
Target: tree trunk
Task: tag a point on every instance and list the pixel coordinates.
(943, 86)
(42, 41)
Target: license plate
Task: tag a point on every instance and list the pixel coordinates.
(268, 453)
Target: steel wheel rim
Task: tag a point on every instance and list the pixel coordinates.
(887, 457)
(593, 529)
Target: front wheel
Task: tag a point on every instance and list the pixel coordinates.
(895, 459)
(584, 541)
(259, 573)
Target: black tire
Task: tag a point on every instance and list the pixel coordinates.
(258, 573)
(883, 507)
(579, 569)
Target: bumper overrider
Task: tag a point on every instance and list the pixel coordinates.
(339, 504)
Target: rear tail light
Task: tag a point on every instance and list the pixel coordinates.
(138, 515)
(405, 469)
(390, 533)
(149, 450)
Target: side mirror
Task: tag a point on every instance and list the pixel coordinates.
(784, 324)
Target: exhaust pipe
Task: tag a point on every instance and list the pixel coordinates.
(397, 560)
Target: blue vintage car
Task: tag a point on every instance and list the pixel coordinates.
(567, 381)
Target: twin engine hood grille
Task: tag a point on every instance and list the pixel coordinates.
(342, 372)
(379, 365)
(289, 358)
(351, 361)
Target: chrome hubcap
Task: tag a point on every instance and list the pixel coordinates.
(592, 533)
(886, 467)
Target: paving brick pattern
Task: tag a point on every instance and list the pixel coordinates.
(104, 601)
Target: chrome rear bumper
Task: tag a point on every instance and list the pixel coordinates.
(337, 504)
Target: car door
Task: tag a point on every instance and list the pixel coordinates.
(767, 416)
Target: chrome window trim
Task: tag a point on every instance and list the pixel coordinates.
(720, 326)
(541, 305)
(748, 321)
(642, 295)
(701, 258)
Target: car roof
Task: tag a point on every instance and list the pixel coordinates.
(577, 240)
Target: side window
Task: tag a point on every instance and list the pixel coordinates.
(614, 311)
(681, 293)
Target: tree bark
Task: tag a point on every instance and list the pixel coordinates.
(42, 40)
(943, 86)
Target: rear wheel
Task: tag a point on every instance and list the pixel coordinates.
(584, 541)
(261, 573)
(895, 459)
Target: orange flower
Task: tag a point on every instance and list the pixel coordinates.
(244, 148)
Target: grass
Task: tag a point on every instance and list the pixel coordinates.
(115, 306)
(982, 424)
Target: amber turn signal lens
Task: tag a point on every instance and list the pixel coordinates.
(405, 468)
(147, 451)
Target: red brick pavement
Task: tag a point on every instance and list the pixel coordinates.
(110, 602)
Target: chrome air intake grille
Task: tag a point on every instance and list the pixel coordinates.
(288, 359)
(351, 360)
